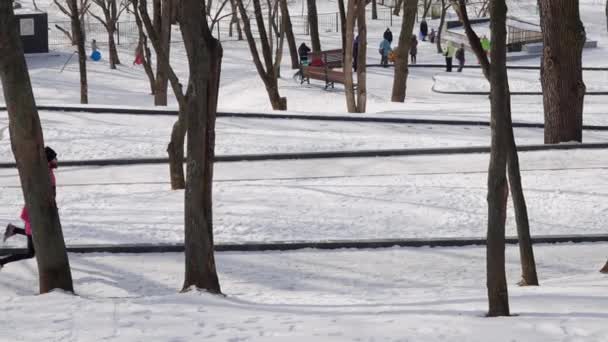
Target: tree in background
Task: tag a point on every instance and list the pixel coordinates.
(204, 61)
(145, 49)
(398, 6)
(267, 71)
(313, 22)
(374, 10)
(288, 29)
(78, 40)
(355, 14)
(444, 9)
(111, 13)
(175, 149)
(402, 51)
(27, 143)
(163, 17)
(561, 70)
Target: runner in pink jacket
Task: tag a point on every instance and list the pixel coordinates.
(11, 229)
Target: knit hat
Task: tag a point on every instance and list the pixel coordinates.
(50, 154)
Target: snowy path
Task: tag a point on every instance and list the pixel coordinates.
(397, 294)
(411, 197)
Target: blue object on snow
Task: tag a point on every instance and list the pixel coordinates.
(96, 55)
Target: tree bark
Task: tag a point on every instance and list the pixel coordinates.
(160, 95)
(114, 60)
(313, 21)
(401, 63)
(361, 58)
(342, 11)
(266, 71)
(529, 275)
(441, 23)
(498, 191)
(204, 60)
(561, 70)
(374, 10)
(397, 9)
(147, 60)
(78, 36)
(349, 88)
(291, 41)
(175, 160)
(27, 143)
(427, 7)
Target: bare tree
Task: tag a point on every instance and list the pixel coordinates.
(313, 22)
(78, 39)
(401, 63)
(561, 70)
(528, 263)
(355, 14)
(111, 13)
(398, 6)
(266, 70)
(374, 10)
(175, 149)
(27, 143)
(163, 17)
(342, 11)
(444, 9)
(142, 47)
(235, 21)
(204, 60)
(426, 6)
(291, 41)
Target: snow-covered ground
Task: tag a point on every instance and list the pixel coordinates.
(397, 294)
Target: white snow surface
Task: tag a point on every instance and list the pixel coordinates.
(395, 294)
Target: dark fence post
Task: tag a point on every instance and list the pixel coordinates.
(218, 32)
(118, 32)
(337, 22)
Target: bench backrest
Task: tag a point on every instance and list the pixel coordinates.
(331, 58)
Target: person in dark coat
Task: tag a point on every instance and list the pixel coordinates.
(303, 51)
(388, 35)
(424, 30)
(460, 57)
(432, 36)
(413, 49)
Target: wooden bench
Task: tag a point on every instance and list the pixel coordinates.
(331, 59)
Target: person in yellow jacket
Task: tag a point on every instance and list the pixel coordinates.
(449, 52)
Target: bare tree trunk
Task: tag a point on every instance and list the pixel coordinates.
(291, 41)
(313, 21)
(498, 191)
(265, 71)
(147, 60)
(441, 23)
(374, 10)
(27, 143)
(176, 157)
(397, 9)
(160, 96)
(529, 275)
(204, 60)
(342, 11)
(361, 58)
(401, 63)
(77, 34)
(427, 7)
(561, 70)
(235, 20)
(114, 60)
(349, 88)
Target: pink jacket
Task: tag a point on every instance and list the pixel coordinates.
(25, 215)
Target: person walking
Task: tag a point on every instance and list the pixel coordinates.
(424, 30)
(12, 230)
(432, 36)
(385, 49)
(460, 57)
(303, 51)
(139, 55)
(449, 54)
(413, 49)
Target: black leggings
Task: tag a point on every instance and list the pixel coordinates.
(16, 257)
